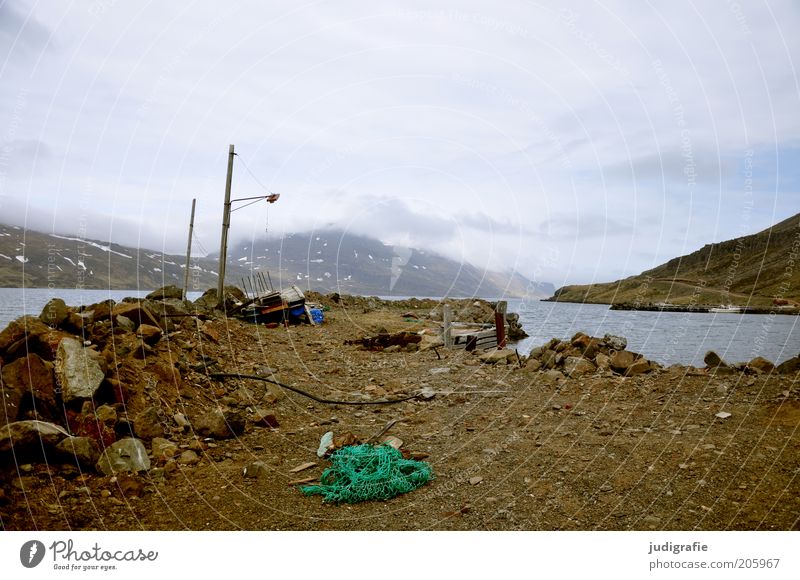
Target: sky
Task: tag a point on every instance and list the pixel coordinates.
(569, 141)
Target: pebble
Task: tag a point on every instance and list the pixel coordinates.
(606, 487)
(475, 480)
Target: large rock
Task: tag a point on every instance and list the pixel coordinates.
(30, 437)
(220, 424)
(208, 301)
(81, 450)
(78, 370)
(54, 313)
(124, 455)
(577, 366)
(712, 360)
(602, 361)
(501, 356)
(548, 359)
(614, 342)
(29, 377)
(789, 367)
(163, 449)
(148, 425)
(639, 366)
(149, 334)
(761, 365)
(137, 312)
(14, 337)
(170, 291)
(621, 360)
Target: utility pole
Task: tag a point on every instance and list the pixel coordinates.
(226, 222)
(188, 252)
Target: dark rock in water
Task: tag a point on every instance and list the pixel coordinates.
(29, 378)
(81, 450)
(30, 437)
(789, 367)
(150, 334)
(220, 424)
(124, 455)
(761, 364)
(147, 424)
(712, 360)
(54, 313)
(170, 291)
(78, 371)
(515, 330)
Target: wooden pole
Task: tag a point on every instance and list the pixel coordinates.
(226, 224)
(500, 323)
(188, 252)
(447, 332)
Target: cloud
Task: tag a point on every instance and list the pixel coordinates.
(506, 136)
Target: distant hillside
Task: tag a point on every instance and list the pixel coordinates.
(750, 270)
(326, 261)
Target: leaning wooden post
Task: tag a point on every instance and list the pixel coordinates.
(447, 331)
(500, 323)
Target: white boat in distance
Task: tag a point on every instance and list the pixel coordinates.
(729, 308)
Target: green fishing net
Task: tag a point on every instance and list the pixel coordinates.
(363, 472)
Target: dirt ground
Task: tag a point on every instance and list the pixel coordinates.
(511, 449)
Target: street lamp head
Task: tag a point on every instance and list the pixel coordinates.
(272, 198)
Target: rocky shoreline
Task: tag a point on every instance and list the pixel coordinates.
(115, 417)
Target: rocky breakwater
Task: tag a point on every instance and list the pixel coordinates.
(114, 387)
(584, 354)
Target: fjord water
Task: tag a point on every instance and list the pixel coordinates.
(665, 337)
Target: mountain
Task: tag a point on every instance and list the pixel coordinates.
(751, 270)
(329, 261)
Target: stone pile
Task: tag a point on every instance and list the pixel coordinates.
(757, 366)
(94, 385)
(583, 354)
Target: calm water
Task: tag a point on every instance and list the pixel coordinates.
(666, 337)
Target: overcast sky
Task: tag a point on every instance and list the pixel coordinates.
(570, 141)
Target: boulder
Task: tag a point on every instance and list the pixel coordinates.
(54, 313)
(26, 437)
(124, 455)
(27, 378)
(14, 337)
(494, 356)
(188, 457)
(789, 367)
(533, 365)
(149, 334)
(220, 424)
(577, 366)
(170, 291)
(163, 449)
(135, 311)
(552, 375)
(621, 360)
(125, 323)
(614, 342)
(78, 371)
(106, 414)
(81, 450)
(262, 418)
(712, 359)
(761, 365)
(602, 361)
(639, 366)
(147, 424)
(548, 359)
